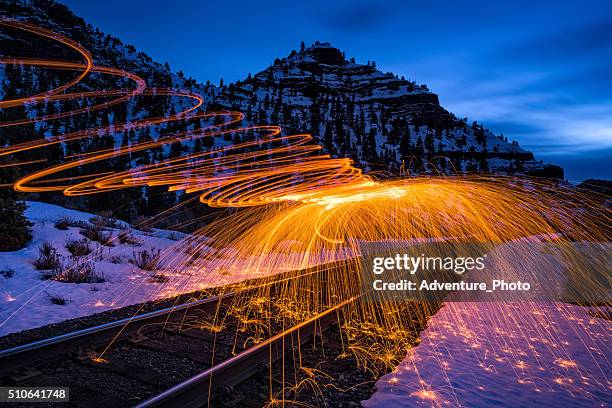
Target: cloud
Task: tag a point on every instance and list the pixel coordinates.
(579, 166)
(561, 46)
(515, 127)
(358, 16)
(552, 92)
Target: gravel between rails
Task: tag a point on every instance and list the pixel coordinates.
(331, 377)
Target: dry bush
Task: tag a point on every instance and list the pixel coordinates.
(142, 223)
(126, 237)
(78, 247)
(118, 259)
(146, 260)
(67, 221)
(158, 278)
(80, 272)
(104, 219)
(48, 259)
(98, 234)
(174, 236)
(7, 273)
(57, 299)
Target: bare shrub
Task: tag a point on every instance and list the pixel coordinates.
(66, 221)
(174, 236)
(143, 223)
(63, 223)
(98, 234)
(146, 260)
(97, 277)
(158, 278)
(126, 237)
(49, 274)
(117, 259)
(57, 299)
(104, 219)
(80, 272)
(48, 259)
(7, 273)
(78, 247)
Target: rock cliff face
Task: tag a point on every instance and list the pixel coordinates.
(378, 119)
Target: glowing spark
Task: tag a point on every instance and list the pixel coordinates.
(99, 360)
(566, 363)
(426, 395)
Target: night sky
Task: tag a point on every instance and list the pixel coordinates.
(538, 71)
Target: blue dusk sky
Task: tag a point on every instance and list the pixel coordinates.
(538, 71)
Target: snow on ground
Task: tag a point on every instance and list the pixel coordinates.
(511, 353)
(25, 297)
(476, 354)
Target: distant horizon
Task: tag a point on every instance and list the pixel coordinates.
(539, 77)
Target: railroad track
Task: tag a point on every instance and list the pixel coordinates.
(199, 389)
(161, 358)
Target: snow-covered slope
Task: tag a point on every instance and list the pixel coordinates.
(97, 264)
(27, 300)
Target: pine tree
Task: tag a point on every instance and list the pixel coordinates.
(369, 148)
(329, 138)
(176, 149)
(14, 226)
(419, 146)
(405, 145)
(429, 143)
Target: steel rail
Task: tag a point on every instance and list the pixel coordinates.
(197, 390)
(14, 357)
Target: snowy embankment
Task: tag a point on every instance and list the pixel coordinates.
(92, 264)
(508, 353)
(115, 274)
(476, 354)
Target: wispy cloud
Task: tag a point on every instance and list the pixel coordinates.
(356, 16)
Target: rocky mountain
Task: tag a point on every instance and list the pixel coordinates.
(384, 123)
(603, 187)
(376, 118)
